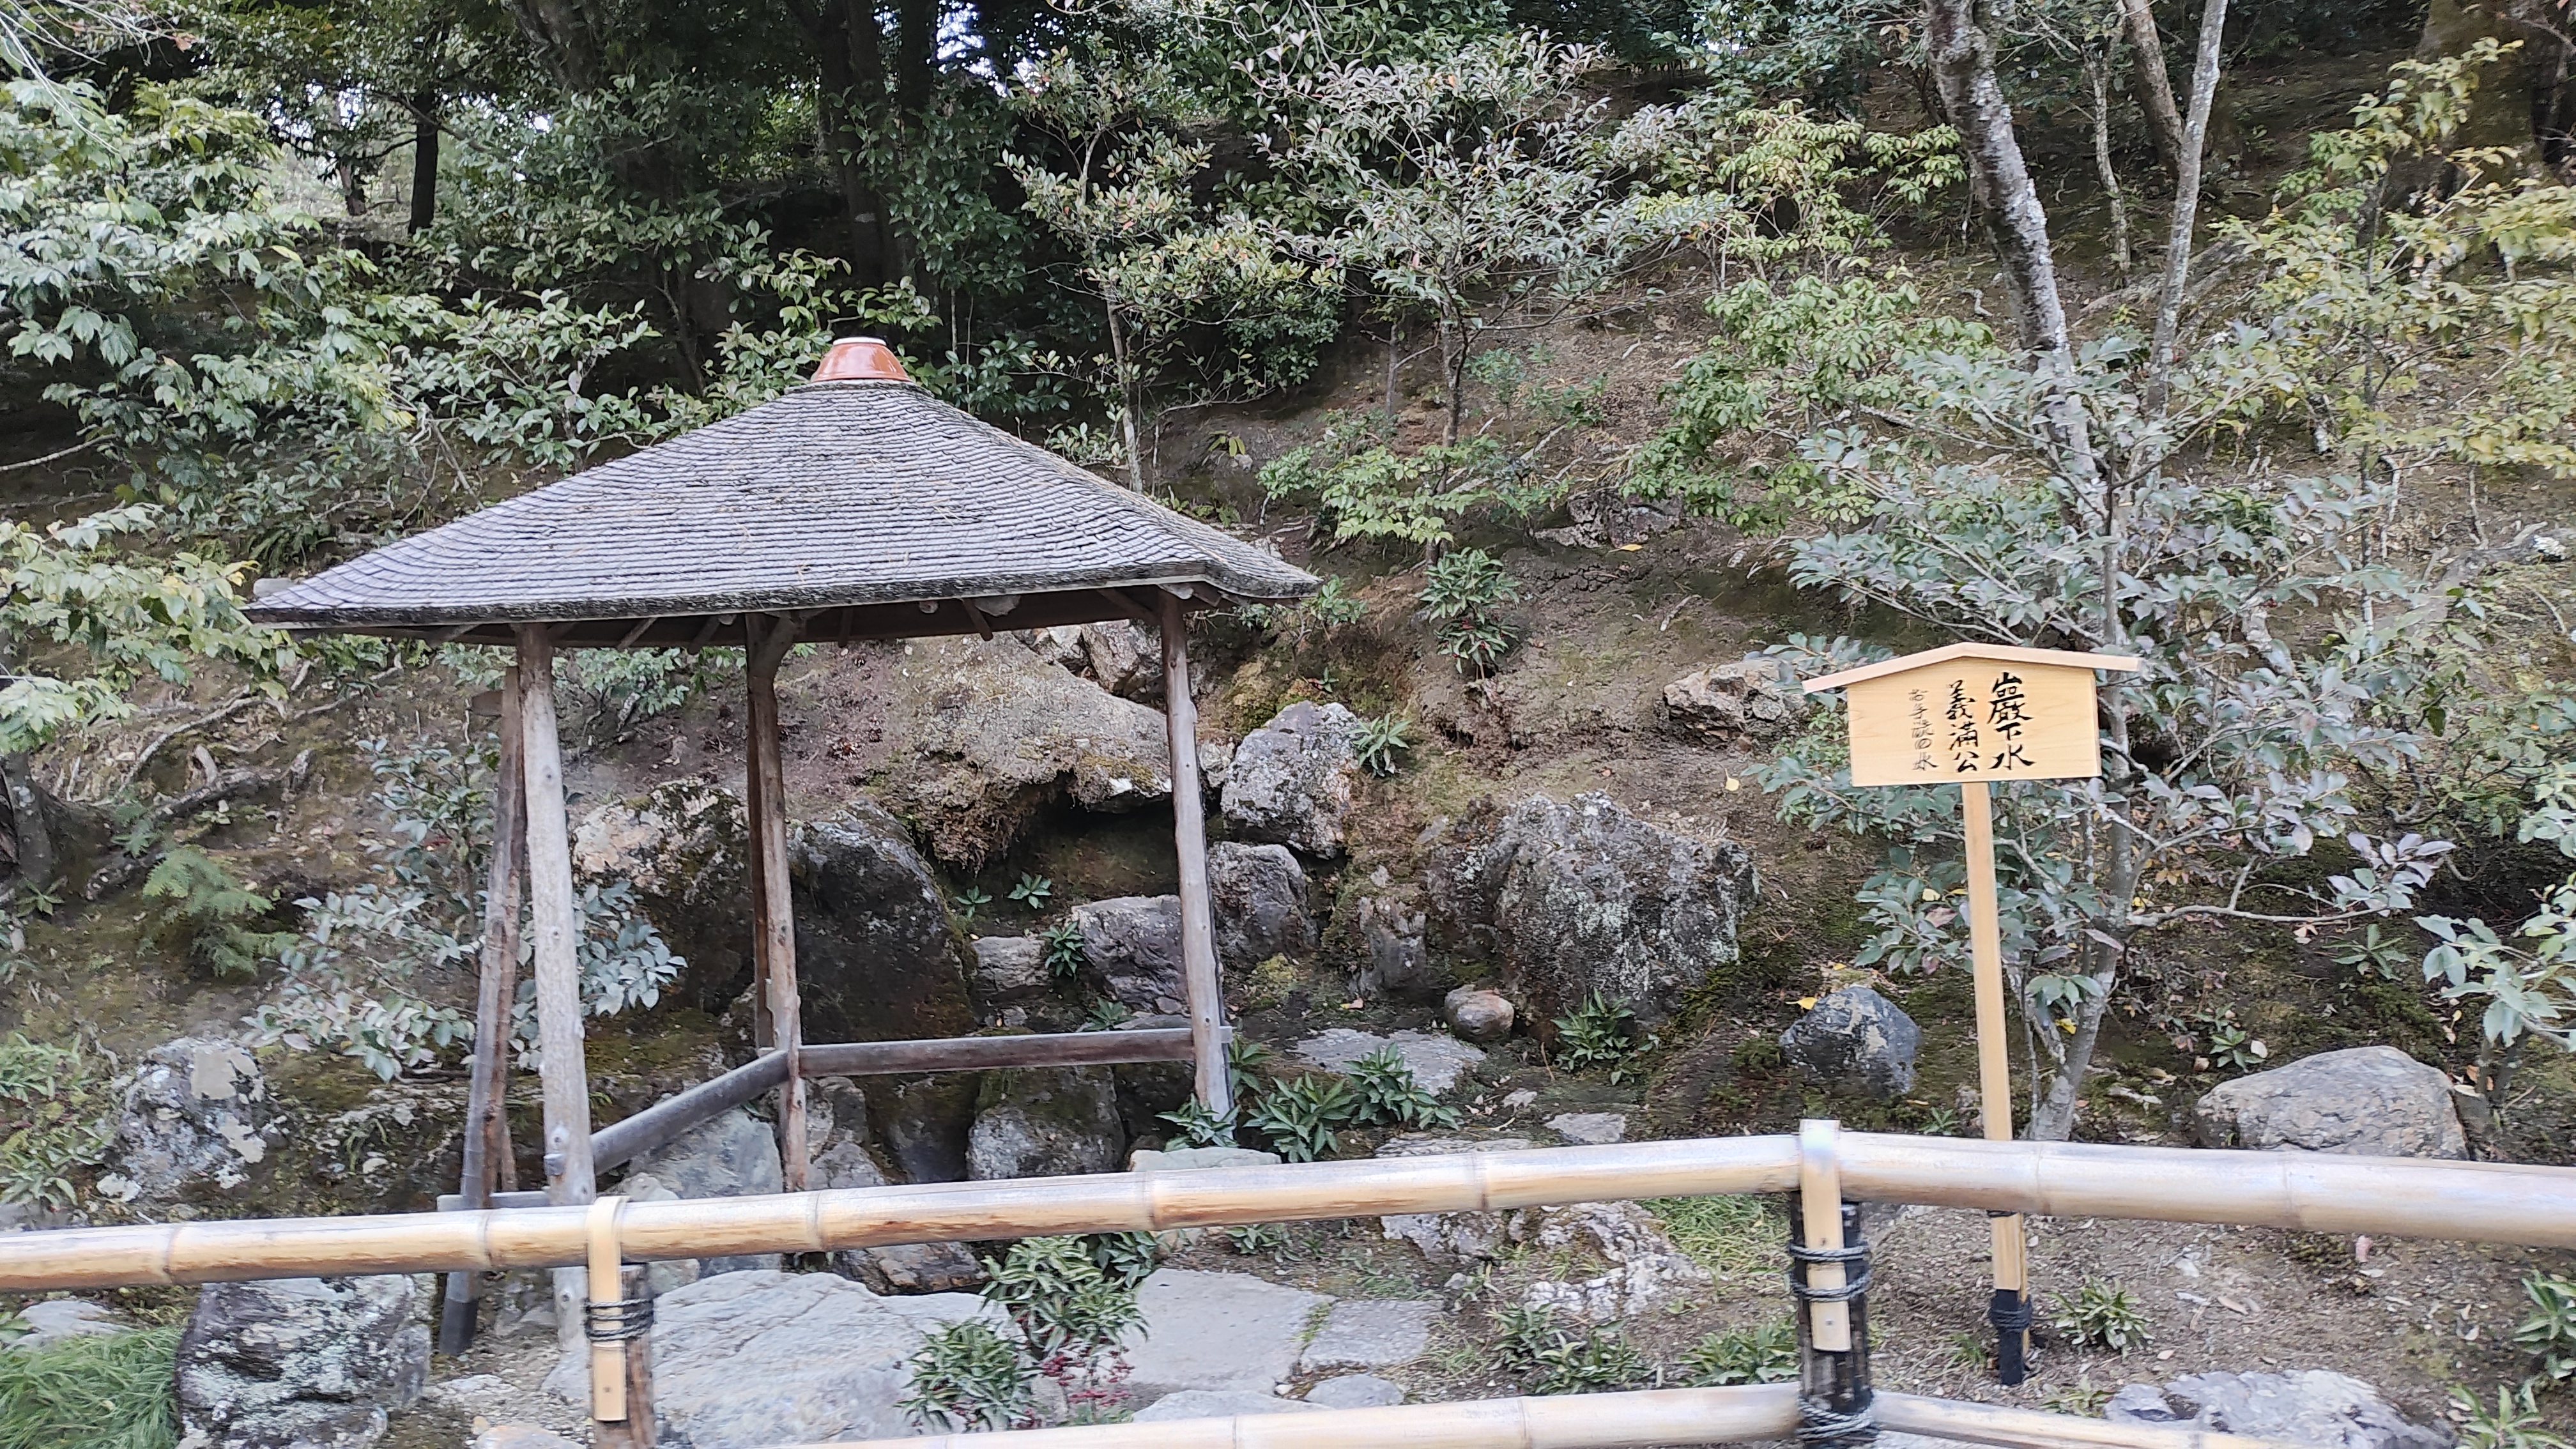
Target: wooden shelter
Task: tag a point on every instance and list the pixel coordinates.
(855, 507)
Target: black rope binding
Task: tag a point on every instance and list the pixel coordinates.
(2010, 1311)
(618, 1320)
(1818, 1423)
(1855, 1263)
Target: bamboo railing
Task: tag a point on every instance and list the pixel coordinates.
(2493, 1202)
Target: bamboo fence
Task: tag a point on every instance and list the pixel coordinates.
(2492, 1202)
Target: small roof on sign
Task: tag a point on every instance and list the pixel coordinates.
(2001, 653)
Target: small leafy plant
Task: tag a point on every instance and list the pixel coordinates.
(2549, 1333)
(1199, 1127)
(1071, 1314)
(2513, 1421)
(1032, 891)
(969, 901)
(1763, 1354)
(2227, 1045)
(966, 1379)
(1252, 1239)
(1125, 1259)
(1105, 1015)
(1389, 1094)
(1299, 1116)
(1462, 593)
(2374, 953)
(1599, 1033)
(1063, 943)
(2100, 1315)
(201, 911)
(1378, 741)
(1562, 1360)
(98, 1390)
(55, 1116)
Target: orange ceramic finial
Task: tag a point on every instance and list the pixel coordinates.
(854, 359)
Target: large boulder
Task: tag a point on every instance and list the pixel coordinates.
(1645, 1270)
(1436, 1060)
(1046, 1122)
(2305, 1406)
(194, 1117)
(2375, 1101)
(299, 1363)
(1258, 896)
(1010, 970)
(877, 957)
(1291, 780)
(923, 1123)
(1131, 950)
(1855, 1041)
(684, 847)
(1386, 932)
(1752, 701)
(732, 1154)
(1566, 899)
(1370, 1333)
(750, 1360)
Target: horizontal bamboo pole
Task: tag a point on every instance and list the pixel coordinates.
(983, 1053)
(2405, 1197)
(2321, 1192)
(207, 1252)
(1589, 1421)
(1577, 1421)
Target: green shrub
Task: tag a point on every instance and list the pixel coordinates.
(1125, 1259)
(1389, 1095)
(1299, 1117)
(1063, 942)
(2513, 1421)
(199, 910)
(53, 1120)
(1599, 1033)
(1463, 592)
(1054, 1289)
(966, 1378)
(1378, 741)
(1561, 1360)
(2549, 1334)
(1764, 1354)
(2100, 1315)
(97, 1391)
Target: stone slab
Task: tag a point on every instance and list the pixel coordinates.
(1216, 1331)
(1357, 1391)
(1370, 1333)
(1437, 1060)
(1218, 1404)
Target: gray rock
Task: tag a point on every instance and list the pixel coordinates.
(195, 1116)
(1394, 960)
(904, 1268)
(1752, 701)
(1046, 1122)
(877, 957)
(1477, 1013)
(685, 848)
(512, 1436)
(1125, 658)
(1370, 1333)
(1449, 1238)
(750, 1360)
(1257, 894)
(836, 1110)
(923, 1123)
(1566, 899)
(1855, 1041)
(56, 1319)
(1355, 1391)
(2305, 1406)
(2374, 1100)
(299, 1363)
(1216, 1331)
(1645, 1270)
(1010, 969)
(731, 1154)
(1437, 1060)
(1218, 1404)
(1590, 1129)
(1292, 779)
(1131, 950)
(1192, 1159)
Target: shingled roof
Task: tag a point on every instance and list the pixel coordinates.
(869, 508)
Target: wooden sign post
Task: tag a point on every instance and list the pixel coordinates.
(1970, 713)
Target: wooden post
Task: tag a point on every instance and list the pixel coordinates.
(1199, 980)
(1820, 1225)
(773, 912)
(2010, 1308)
(620, 1331)
(1833, 1329)
(554, 922)
(486, 1144)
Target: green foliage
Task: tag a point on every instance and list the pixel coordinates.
(1766, 1353)
(2372, 952)
(1124, 1258)
(2513, 1421)
(1558, 1359)
(1386, 1093)
(2548, 1334)
(55, 1114)
(100, 1391)
(1599, 1033)
(1723, 1234)
(2100, 1315)
(1298, 1117)
(1033, 891)
(968, 901)
(1063, 943)
(206, 914)
(1378, 740)
(1066, 1306)
(1105, 1015)
(2529, 990)
(1463, 592)
(966, 1378)
(1199, 1127)
(1247, 1068)
(2225, 1044)
(1254, 1239)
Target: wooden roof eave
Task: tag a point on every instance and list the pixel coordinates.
(2006, 653)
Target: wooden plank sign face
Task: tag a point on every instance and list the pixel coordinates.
(1974, 718)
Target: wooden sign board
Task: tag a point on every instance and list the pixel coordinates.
(1974, 712)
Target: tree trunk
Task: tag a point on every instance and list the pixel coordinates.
(1963, 61)
(2096, 71)
(1131, 395)
(424, 161)
(1453, 372)
(2186, 209)
(2155, 87)
(852, 88)
(916, 53)
(38, 864)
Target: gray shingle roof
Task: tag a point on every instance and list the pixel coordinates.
(838, 494)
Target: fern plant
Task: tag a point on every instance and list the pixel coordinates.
(200, 910)
(1299, 1117)
(1387, 1093)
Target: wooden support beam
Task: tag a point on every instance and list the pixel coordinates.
(621, 1142)
(983, 625)
(773, 913)
(554, 922)
(2010, 1304)
(1820, 1225)
(1200, 984)
(486, 1139)
(985, 1053)
(1126, 604)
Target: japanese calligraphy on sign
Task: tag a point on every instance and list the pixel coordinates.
(1974, 713)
